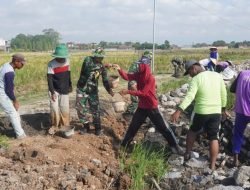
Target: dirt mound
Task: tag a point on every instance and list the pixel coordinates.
(52, 162)
(83, 161)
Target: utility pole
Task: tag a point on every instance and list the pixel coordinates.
(153, 58)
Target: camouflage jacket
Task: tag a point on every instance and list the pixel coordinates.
(133, 68)
(90, 72)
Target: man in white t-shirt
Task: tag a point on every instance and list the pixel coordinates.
(8, 100)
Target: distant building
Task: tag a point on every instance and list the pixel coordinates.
(4, 45)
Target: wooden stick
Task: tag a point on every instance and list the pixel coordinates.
(156, 184)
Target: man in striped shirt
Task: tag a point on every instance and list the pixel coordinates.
(59, 83)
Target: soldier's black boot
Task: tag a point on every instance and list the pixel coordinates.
(98, 130)
(85, 129)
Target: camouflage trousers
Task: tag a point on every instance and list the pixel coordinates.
(88, 103)
(134, 100)
(133, 105)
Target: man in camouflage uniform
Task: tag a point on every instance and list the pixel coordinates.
(132, 84)
(178, 64)
(87, 90)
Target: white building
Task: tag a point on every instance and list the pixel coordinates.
(4, 45)
(2, 42)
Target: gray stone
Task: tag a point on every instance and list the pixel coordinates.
(196, 178)
(222, 187)
(170, 111)
(96, 162)
(194, 154)
(242, 176)
(176, 161)
(231, 171)
(27, 168)
(247, 132)
(173, 175)
(163, 98)
(169, 104)
(177, 100)
(197, 163)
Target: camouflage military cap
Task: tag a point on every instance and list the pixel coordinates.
(98, 52)
(148, 54)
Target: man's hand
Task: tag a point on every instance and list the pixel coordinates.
(53, 97)
(111, 92)
(225, 115)
(108, 65)
(134, 87)
(117, 67)
(175, 116)
(123, 92)
(16, 105)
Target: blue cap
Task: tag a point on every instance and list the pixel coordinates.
(188, 64)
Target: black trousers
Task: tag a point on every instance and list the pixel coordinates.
(156, 117)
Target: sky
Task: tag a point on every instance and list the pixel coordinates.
(181, 22)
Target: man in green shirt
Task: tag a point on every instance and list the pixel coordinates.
(209, 92)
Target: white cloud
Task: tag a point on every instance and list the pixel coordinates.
(179, 21)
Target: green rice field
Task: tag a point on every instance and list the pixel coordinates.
(31, 80)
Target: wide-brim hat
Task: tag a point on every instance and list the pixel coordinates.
(213, 47)
(188, 64)
(61, 51)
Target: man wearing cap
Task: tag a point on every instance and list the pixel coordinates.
(209, 92)
(59, 84)
(132, 85)
(87, 90)
(178, 64)
(8, 100)
(213, 57)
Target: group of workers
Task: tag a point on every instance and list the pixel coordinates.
(206, 88)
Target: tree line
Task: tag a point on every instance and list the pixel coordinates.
(220, 43)
(40, 42)
(49, 38)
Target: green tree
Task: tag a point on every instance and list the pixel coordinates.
(103, 44)
(40, 42)
(137, 45)
(166, 44)
(21, 41)
(53, 36)
(219, 43)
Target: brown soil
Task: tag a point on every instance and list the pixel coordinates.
(41, 161)
(44, 154)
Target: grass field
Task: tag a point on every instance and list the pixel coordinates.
(31, 80)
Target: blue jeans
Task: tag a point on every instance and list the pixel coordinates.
(241, 122)
(9, 109)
